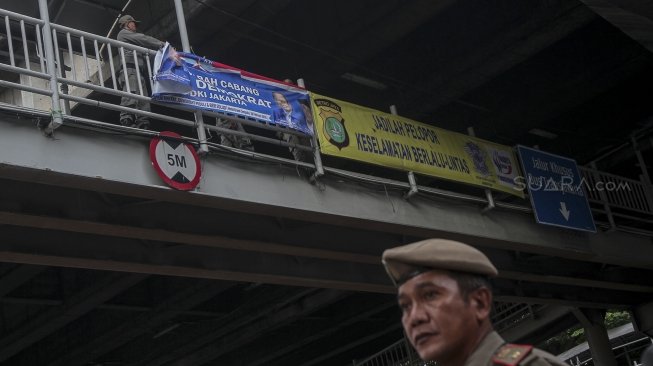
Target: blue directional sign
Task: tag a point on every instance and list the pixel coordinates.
(555, 188)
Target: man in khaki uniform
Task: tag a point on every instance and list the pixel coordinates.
(445, 299)
(129, 34)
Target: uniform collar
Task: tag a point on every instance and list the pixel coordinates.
(482, 355)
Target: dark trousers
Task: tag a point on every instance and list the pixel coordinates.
(132, 119)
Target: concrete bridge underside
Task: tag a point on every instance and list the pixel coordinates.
(85, 202)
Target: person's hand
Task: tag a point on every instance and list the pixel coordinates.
(175, 56)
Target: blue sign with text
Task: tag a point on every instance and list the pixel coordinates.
(556, 191)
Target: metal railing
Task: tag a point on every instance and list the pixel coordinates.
(504, 315)
(91, 63)
(399, 353)
(24, 26)
(616, 191)
(88, 63)
(66, 65)
(627, 345)
(46, 59)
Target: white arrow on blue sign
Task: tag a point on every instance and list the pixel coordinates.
(555, 189)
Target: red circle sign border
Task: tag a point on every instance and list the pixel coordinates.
(180, 186)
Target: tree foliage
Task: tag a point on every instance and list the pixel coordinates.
(576, 335)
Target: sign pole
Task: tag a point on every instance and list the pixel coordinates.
(604, 198)
(646, 178)
(183, 34)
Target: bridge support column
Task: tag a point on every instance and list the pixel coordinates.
(643, 318)
(597, 336)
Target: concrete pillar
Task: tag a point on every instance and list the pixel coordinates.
(597, 336)
(643, 318)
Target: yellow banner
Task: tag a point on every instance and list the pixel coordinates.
(355, 132)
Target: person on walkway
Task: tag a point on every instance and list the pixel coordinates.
(129, 34)
(445, 299)
(239, 142)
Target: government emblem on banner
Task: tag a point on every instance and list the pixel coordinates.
(334, 123)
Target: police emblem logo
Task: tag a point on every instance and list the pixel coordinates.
(334, 123)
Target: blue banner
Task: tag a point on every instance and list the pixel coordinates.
(194, 82)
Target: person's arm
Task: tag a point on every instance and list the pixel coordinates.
(141, 39)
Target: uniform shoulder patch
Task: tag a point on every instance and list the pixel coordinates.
(511, 354)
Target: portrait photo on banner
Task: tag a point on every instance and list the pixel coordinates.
(192, 82)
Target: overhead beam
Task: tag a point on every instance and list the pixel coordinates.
(562, 98)
(238, 25)
(101, 6)
(107, 306)
(194, 272)
(308, 335)
(391, 327)
(376, 32)
(118, 254)
(56, 7)
(222, 242)
(281, 317)
(18, 276)
(167, 27)
(503, 51)
(561, 302)
(295, 198)
(599, 297)
(574, 281)
(636, 26)
(213, 241)
(553, 295)
(134, 327)
(261, 303)
(545, 316)
(53, 319)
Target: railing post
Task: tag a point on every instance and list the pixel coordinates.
(604, 198)
(57, 117)
(640, 160)
(183, 34)
(64, 87)
(317, 157)
(646, 178)
(409, 350)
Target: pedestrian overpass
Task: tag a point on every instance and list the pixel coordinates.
(268, 259)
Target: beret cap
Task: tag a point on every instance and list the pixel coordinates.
(406, 261)
(126, 19)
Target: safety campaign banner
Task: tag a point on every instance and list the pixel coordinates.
(194, 82)
(355, 132)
